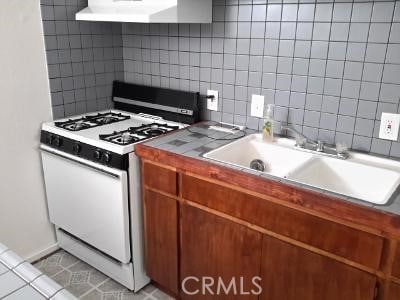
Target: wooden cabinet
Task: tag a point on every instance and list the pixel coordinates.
(161, 239)
(215, 247)
(197, 227)
(293, 273)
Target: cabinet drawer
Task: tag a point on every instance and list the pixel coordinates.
(160, 178)
(337, 239)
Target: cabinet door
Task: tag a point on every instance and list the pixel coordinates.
(393, 292)
(293, 273)
(214, 249)
(337, 239)
(161, 239)
(396, 262)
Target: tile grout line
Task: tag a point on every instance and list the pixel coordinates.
(343, 73)
(362, 73)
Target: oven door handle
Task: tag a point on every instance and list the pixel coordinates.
(78, 161)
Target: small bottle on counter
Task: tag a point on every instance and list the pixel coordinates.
(268, 128)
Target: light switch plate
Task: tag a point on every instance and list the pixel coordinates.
(257, 106)
(389, 129)
(212, 104)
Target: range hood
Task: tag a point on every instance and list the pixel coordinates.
(148, 11)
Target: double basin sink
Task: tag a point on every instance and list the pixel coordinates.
(361, 176)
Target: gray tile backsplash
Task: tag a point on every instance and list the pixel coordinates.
(330, 67)
(83, 58)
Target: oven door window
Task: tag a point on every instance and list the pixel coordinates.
(89, 201)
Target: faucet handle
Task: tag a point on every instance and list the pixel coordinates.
(320, 146)
(300, 141)
(341, 148)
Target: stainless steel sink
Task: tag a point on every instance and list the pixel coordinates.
(361, 176)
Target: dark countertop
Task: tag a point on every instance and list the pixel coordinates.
(198, 139)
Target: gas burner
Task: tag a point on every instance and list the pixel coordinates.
(79, 125)
(75, 124)
(136, 134)
(108, 118)
(91, 121)
(121, 138)
(154, 129)
(126, 137)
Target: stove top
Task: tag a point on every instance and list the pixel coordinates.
(111, 130)
(90, 121)
(138, 133)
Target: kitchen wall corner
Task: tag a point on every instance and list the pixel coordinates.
(83, 58)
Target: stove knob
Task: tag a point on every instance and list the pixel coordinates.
(57, 141)
(50, 139)
(107, 157)
(76, 148)
(97, 154)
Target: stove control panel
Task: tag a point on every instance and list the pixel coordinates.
(85, 151)
(53, 140)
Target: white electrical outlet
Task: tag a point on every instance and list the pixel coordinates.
(389, 129)
(212, 103)
(257, 106)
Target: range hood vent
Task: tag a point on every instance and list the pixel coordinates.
(148, 11)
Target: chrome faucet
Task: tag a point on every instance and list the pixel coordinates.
(304, 144)
(301, 139)
(320, 146)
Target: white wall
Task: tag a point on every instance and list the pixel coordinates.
(25, 103)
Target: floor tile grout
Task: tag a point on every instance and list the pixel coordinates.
(78, 279)
(88, 292)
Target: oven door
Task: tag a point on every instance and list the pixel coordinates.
(89, 201)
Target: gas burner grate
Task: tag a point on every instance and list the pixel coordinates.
(91, 121)
(108, 118)
(136, 134)
(121, 138)
(75, 124)
(153, 129)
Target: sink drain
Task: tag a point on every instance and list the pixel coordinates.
(258, 165)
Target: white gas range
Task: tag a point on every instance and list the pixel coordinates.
(92, 179)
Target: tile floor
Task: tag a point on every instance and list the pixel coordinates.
(87, 283)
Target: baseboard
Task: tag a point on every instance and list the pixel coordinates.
(37, 256)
